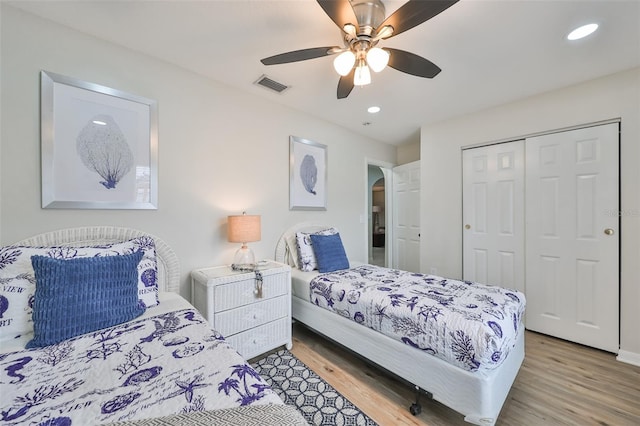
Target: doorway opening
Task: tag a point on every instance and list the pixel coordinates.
(378, 227)
(377, 207)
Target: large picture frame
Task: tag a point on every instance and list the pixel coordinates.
(99, 146)
(307, 174)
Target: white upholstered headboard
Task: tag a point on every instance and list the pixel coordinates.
(168, 264)
(286, 250)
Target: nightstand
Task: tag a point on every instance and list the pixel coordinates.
(228, 300)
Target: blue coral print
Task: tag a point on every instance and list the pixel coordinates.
(8, 255)
(103, 149)
(309, 173)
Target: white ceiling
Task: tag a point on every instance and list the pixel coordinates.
(490, 51)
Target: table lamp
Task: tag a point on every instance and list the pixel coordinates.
(244, 229)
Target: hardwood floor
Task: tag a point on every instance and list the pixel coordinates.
(559, 383)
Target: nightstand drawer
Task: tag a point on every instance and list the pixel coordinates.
(232, 295)
(261, 339)
(236, 320)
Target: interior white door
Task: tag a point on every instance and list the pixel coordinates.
(572, 235)
(406, 217)
(493, 214)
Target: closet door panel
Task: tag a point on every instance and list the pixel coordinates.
(572, 277)
(493, 214)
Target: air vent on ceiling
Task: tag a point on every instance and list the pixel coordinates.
(270, 84)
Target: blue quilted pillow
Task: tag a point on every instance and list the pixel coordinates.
(329, 252)
(78, 296)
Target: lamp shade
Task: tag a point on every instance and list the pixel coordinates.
(377, 59)
(343, 63)
(243, 228)
(362, 76)
(376, 209)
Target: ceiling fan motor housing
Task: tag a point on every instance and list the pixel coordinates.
(370, 14)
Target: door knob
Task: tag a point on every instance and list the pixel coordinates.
(609, 231)
(467, 226)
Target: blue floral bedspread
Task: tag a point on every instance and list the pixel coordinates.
(470, 325)
(166, 364)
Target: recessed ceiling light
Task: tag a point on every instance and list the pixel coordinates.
(582, 31)
(373, 109)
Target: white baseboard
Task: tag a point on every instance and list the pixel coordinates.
(629, 357)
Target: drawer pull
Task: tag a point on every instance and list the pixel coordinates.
(258, 289)
(253, 316)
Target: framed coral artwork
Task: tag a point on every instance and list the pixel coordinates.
(99, 146)
(307, 174)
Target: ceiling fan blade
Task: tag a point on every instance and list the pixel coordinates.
(345, 84)
(340, 12)
(413, 13)
(301, 55)
(411, 63)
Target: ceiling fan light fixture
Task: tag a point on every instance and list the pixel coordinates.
(343, 63)
(362, 76)
(363, 23)
(384, 32)
(377, 59)
(349, 29)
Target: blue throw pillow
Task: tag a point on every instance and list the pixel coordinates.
(329, 252)
(78, 296)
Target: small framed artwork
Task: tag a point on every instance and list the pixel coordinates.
(307, 174)
(99, 146)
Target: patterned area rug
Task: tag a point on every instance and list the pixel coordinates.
(317, 400)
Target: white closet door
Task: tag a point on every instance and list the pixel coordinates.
(493, 214)
(406, 217)
(572, 282)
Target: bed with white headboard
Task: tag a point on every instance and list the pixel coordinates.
(479, 395)
(93, 330)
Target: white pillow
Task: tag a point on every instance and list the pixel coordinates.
(18, 283)
(291, 251)
(306, 257)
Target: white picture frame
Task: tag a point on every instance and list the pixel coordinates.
(307, 174)
(99, 146)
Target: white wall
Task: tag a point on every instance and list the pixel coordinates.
(615, 96)
(221, 150)
(408, 153)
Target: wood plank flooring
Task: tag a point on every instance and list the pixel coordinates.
(559, 383)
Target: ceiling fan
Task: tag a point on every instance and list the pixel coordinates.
(363, 25)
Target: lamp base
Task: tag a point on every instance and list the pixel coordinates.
(244, 259)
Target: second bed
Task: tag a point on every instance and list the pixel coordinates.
(461, 342)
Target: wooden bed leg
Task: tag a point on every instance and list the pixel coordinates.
(416, 407)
